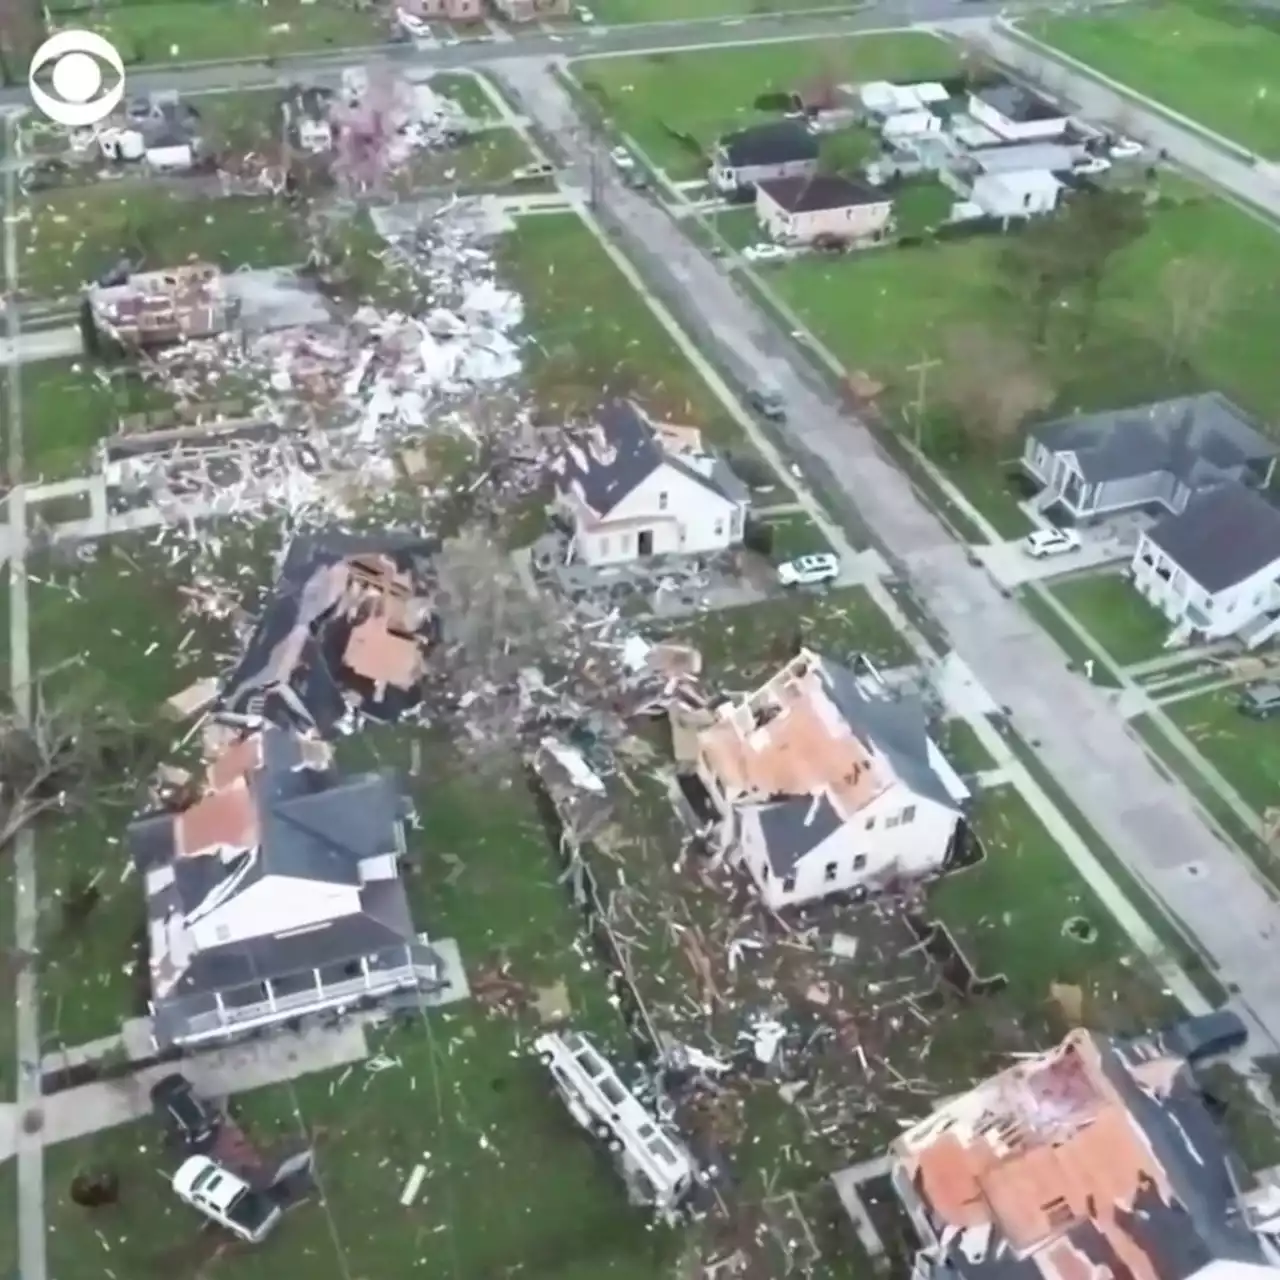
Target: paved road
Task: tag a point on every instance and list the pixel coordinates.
(1074, 727)
(636, 38)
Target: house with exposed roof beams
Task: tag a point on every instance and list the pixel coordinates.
(1214, 569)
(1152, 455)
(802, 210)
(1098, 1159)
(630, 488)
(824, 782)
(276, 894)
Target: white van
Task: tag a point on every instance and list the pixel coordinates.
(225, 1199)
(656, 1165)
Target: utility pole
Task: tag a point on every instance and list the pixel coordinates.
(921, 370)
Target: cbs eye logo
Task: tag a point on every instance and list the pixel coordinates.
(77, 78)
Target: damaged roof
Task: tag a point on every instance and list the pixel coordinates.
(812, 747)
(326, 844)
(623, 449)
(347, 623)
(1098, 1157)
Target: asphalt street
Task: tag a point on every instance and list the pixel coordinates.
(1074, 727)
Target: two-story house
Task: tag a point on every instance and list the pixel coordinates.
(824, 782)
(631, 488)
(802, 210)
(763, 153)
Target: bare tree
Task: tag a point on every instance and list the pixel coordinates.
(991, 384)
(1196, 292)
(73, 750)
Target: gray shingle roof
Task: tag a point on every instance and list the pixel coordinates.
(822, 191)
(794, 826)
(1198, 440)
(1223, 537)
(780, 142)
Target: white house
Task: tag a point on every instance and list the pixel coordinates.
(631, 488)
(1214, 569)
(824, 782)
(1016, 195)
(807, 209)
(1016, 114)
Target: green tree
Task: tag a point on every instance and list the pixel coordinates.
(845, 152)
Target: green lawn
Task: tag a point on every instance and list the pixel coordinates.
(68, 406)
(594, 336)
(1008, 912)
(1060, 632)
(885, 311)
(746, 644)
(1246, 752)
(1113, 612)
(186, 31)
(74, 234)
(239, 120)
(795, 535)
(468, 92)
(486, 158)
(958, 741)
(1218, 68)
(738, 228)
(704, 93)
(921, 206)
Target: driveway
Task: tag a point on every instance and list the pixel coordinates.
(1075, 728)
(1011, 567)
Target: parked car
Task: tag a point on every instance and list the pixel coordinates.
(809, 571)
(1203, 1036)
(1259, 701)
(584, 14)
(1051, 542)
(622, 158)
(225, 1199)
(1091, 165)
(1125, 148)
(767, 402)
(189, 1120)
(764, 252)
(528, 172)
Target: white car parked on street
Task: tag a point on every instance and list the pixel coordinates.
(1125, 148)
(1051, 542)
(623, 159)
(809, 571)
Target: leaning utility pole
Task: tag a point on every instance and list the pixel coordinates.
(921, 369)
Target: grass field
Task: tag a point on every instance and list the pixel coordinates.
(1112, 611)
(72, 235)
(707, 93)
(887, 310)
(233, 29)
(1220, 71)
(1246, 752)
(486, 158)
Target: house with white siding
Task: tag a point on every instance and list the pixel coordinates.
(1016, 114)
(824, 783)
(631, 488)
(823, 207)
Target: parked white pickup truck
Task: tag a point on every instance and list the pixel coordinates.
(225, 1199)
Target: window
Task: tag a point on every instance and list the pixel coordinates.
(871, 822)
(604, 546)
(612, 1092)
(893, 822)
(624, 544)
(789, 884)
(829, 872)
(664, 499)
(909, 813)
(859, 861)
(719, 528)
(222, 932)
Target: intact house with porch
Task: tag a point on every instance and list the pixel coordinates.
(629, 488)
(823, 782)
(1157, 455)
(1214, 569)
(1098, 1158)
(763, 153)
(276, 894)
(805, 210)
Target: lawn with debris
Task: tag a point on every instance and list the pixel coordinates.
(71, 235)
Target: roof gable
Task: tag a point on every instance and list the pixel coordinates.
(779, 142)
(1223, 538)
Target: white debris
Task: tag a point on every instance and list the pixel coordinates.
(769, 1034)
(571, 760)
(414, 1185)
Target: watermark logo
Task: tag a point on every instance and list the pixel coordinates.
(77, 78)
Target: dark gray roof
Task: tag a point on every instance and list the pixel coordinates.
(793, 826)
(894, 727)
(1201, 1225)
(634, 453)
(1198, 440)
(1223, 537)
(1019, 105)
(780, 142)
(822, 191)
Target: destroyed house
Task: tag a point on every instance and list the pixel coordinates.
(631, 488)
(345, 631)
(276, 894)
(1096, 1159)
(154, 308)
(824, 782)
